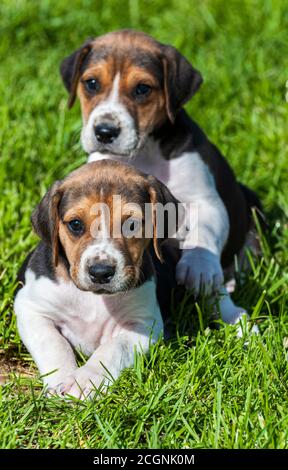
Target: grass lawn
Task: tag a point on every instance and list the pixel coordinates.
(201, 390)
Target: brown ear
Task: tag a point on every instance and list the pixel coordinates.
(160, 194)
(181, 80)
(70, 69)
(45, 219)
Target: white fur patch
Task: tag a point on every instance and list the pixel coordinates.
(127, 139)
(190, 181)
(102, 250)
(232, 314)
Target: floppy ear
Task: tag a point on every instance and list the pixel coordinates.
(45, 219)
(70, 69)
(167, 226)
(181, 80)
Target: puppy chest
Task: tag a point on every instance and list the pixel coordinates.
(87, 337)
(187, 176)
(88, 324)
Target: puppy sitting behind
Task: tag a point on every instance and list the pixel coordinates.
(85, 289)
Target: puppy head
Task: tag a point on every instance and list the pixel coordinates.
(128, 85)
(97, 218)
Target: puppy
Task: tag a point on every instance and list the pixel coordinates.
(132, 90)
(86, 287)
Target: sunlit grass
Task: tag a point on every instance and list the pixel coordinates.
(201, 390)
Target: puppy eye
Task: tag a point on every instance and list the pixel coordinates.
(92, 85)
(76, 226)
(142, 90)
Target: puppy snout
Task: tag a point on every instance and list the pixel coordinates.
(101, 273)
(106, 132)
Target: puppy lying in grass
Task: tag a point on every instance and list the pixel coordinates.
(87, 288)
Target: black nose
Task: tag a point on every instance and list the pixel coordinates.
(101, 273)
(106, 133)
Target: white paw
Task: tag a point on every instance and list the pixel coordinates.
(243, 326)
(200, 270)
(232, 314)
(82, 383)
(53, 381)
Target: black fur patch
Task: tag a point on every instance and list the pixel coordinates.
(40, 262)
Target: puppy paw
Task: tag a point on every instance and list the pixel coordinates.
(82, 384)
(242, 325)
(61, 387)
(232, 314)
(54, 382)
(200, 270)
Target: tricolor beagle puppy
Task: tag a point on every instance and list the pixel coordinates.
(85, 287)
(132, 90)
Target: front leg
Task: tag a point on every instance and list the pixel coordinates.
(107, 362)
(231, 313)
(199, 267)
(49, 349)
(192, 183)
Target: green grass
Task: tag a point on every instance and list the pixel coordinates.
(201, 390)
